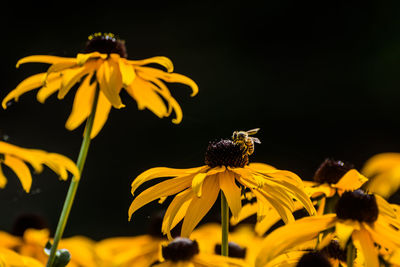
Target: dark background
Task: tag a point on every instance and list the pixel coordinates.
(320, 78)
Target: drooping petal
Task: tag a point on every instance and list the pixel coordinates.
(146, 97)
(26, 85)
(176, 211)
(110, 82)
(165, 188)
(199, 206)
(83, 103)
(44, 59)
(171, 78)
(52, 85)
(102, 111)
(231, 191)
(21, 170)
(363, 240)
(159, 172)
(344, 230)
(127, 72)
(279, 206)
(291, 235)
(33, 156)
(65, 165)
(163, 61)
(261, 167)
(380, 163)
(246, 211)
(82, 58)
(197, 183)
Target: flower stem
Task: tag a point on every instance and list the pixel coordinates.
(224, 225)
(351, 254)
(74, 183)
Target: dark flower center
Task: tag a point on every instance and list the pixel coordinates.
(312, 259)
(225, 153)
(234, 250)
(334, 251)
(357, 205)
(180, 249)
(26, 221)
(105, 43)
(330, 171)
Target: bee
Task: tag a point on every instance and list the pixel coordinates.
(245, 141)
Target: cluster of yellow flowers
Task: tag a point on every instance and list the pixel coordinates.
(346, 220)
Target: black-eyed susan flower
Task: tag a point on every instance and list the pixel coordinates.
(384, 172)
(359, 218)
(331, 179)
(14, 157)
(104, 65)
(184, 252)
(197, 188)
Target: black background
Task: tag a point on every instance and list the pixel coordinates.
(320, 78)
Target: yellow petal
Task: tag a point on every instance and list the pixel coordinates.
(351, 181)
(171, 78)
(146, 97)
(246, 211)
(60, 67)
(384, 207)
(52, 85)
(110, 81)
(380, 163)
(127, 72)
(197, 183)
(343, 232)
(176, 211)
(165, 188)
(232, 193)
(3, 179)
(278, 205)
(33, 156)
(163, 61)
(199, 206)
(83, 58)
(65, 164)
(159, 172)
(269, 219)
(82, 104)
(21, 170)
(261, 167)
(44, 59)
(293, 234)
(26, 85)
(102, 111)
(363, 240)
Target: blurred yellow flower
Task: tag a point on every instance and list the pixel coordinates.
(103, 64)
(15, 157)
(384, 173)
(359, 217)
(198, 188)
(9, 258)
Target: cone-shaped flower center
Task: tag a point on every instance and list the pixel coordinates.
(357, 205)
(225, 153)
(330, 171)
(313, 259)
(334, 251)
(105, 43)
(234, 250)
(180, 249)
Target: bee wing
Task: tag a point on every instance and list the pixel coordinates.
(253, 131)
(256, 140)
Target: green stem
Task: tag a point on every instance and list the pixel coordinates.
(351, 254)
(224, 225)
(74, 183)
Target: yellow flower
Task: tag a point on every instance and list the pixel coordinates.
(15, 157)
(198, 188)
(359, 216)
(384, 172)
(183, 252)
(103, 64)
(9, 258)
(331, 179)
